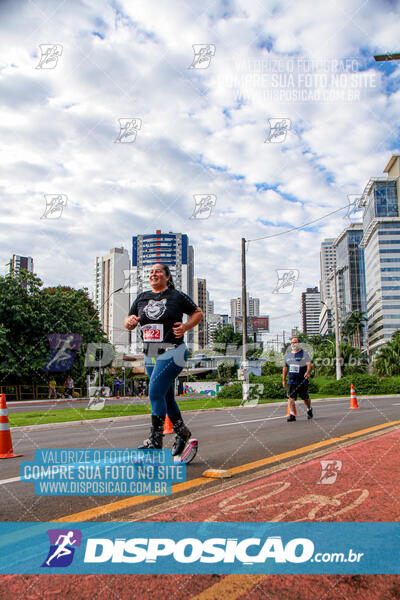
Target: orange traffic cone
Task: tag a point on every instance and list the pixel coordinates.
(353, 398)
(168, 425)
(288, 410)
(6, 448)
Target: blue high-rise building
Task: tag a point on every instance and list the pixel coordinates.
(381, 243)
(350, 273)
(172, 249)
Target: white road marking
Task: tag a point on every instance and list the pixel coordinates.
(11, 480)
(15, 429)
(129, 426)
(250, 421)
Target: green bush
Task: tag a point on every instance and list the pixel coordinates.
(363, 384)
(272, 388)
(270, 368)
(390, 385)
(312, 386)
(231, 391)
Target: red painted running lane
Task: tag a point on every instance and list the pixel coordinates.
(358, 483)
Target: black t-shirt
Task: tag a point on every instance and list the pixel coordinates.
(159, 312)
(296, 362)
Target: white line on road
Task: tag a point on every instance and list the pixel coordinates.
(265, 419)
(128, 426)
(11, 480)
(15, 430)
(250, 421)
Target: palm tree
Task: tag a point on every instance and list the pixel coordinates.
(387, 360)
(352, 328)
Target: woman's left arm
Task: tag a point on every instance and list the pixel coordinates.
(194, 319)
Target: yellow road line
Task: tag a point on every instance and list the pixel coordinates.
(93, 513)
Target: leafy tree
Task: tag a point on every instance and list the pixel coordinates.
(353, 326)
(28, 313)
(226, 372)
(352, 360)
(227, 340)
(387, 359)
(224, 336)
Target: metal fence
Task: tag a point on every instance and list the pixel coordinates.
(34, 392)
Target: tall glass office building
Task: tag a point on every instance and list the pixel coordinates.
(381, 243)
(350, 269)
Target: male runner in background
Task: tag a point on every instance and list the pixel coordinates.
(298, 365)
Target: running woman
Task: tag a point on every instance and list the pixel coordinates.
(160, 312)
(298, 364)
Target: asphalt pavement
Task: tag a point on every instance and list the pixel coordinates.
(228, 438)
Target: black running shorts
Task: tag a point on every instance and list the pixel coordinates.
(298, 388)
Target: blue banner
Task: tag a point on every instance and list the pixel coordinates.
(197, 548)
(102, 472)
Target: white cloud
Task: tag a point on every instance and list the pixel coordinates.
(59, 126)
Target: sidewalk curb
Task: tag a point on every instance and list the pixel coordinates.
(45, 426)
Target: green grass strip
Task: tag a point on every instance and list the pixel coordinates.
(39, 417)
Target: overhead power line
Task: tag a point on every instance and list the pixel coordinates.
(265, 237)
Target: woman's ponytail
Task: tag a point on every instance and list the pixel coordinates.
(167, 271)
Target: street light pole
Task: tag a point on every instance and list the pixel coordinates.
(123, 370)
(245, 370)
(337, 329)
(338, 360)
(91, 319)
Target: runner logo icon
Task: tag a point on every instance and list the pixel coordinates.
(61, 551)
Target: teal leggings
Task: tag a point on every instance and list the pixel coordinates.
(162, 373)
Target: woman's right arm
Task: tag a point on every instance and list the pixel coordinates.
(131, 321)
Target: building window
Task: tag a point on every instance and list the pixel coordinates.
(386, 199)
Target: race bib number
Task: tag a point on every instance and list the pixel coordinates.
(294, 368)
(153, 332)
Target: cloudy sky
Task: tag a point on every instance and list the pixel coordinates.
(275, 109)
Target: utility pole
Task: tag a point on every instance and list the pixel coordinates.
(338, 361)
(245, 369)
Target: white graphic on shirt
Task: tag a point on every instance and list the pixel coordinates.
(155, 308)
